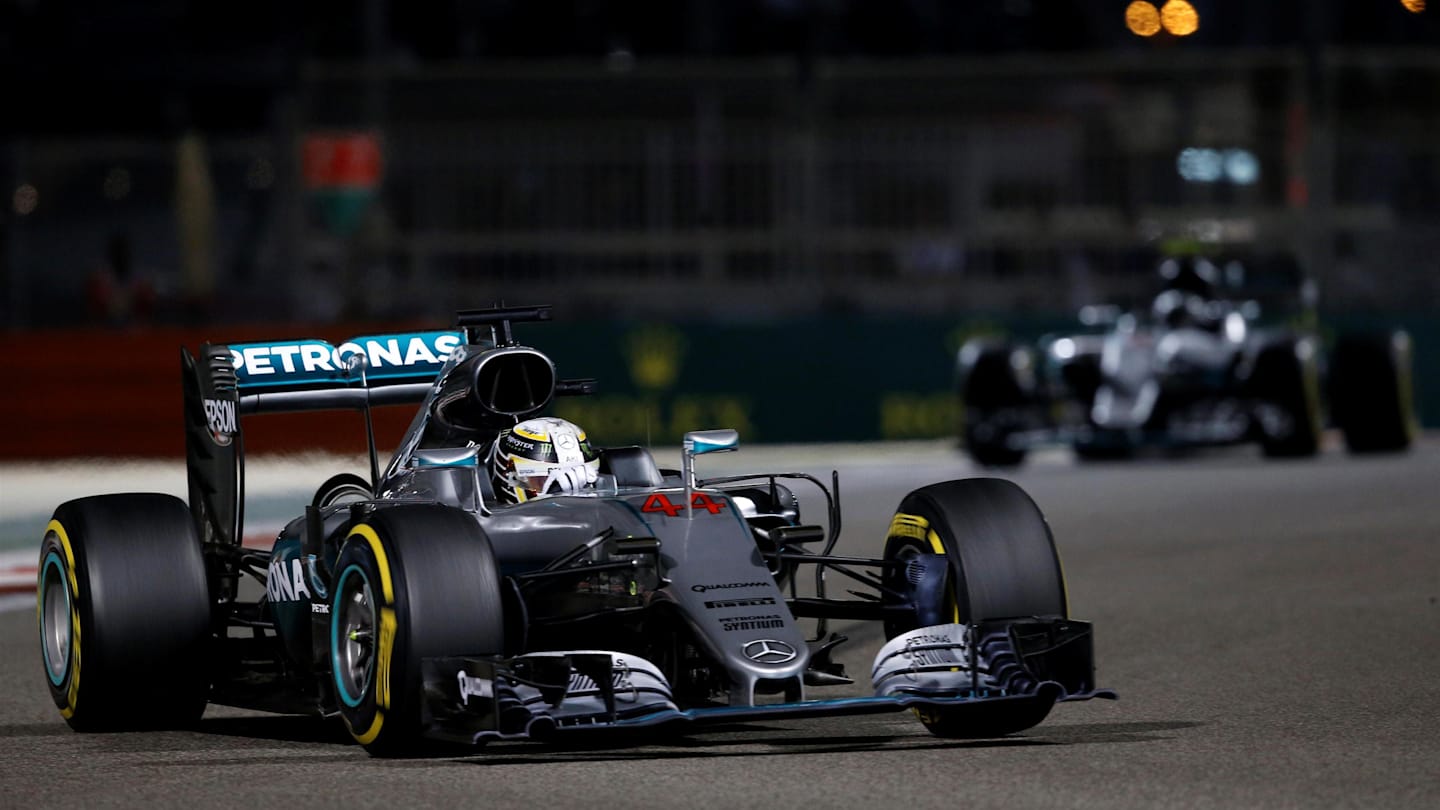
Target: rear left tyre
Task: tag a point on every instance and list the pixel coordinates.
(123, 606)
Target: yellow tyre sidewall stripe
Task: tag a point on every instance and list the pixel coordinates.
(72, 692)
(382, 561)
(385, 642)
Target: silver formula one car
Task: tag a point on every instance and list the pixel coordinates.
(1198, 368)
(420, 606)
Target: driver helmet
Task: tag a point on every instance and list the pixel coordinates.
(543, 456)
(1189, 287)
(1192, 274)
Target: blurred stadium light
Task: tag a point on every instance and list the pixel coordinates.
(1179, 18)
(1175, 17)
(1142, 18)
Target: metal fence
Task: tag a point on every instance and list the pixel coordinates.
(770, 189)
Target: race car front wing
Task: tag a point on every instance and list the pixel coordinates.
(950, 667)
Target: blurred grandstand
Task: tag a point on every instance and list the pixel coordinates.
(706, 160)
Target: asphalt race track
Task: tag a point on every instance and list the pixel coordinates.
(1273, 629)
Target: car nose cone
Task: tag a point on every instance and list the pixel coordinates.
(769, 651)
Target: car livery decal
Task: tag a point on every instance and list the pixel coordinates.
(660, 502)
(415, 355)
(220, 417)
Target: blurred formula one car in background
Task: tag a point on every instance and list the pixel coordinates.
(1197, 368)
(421, 605)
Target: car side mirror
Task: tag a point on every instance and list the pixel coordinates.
(699, 442)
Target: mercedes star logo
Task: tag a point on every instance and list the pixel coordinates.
(769, 651)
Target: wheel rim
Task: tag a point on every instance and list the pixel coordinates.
(352, 636)
(55, 617)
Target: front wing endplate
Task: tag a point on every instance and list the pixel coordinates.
(542, 695)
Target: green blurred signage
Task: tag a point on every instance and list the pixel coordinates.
(824, 380)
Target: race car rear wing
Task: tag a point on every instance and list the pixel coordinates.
(305, 375)
(226, 381)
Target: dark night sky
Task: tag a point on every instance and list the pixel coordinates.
(165, 64)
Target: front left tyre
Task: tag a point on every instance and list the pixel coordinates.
(123, 606)
(411, 582)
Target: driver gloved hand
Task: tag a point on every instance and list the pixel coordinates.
(569, 479)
